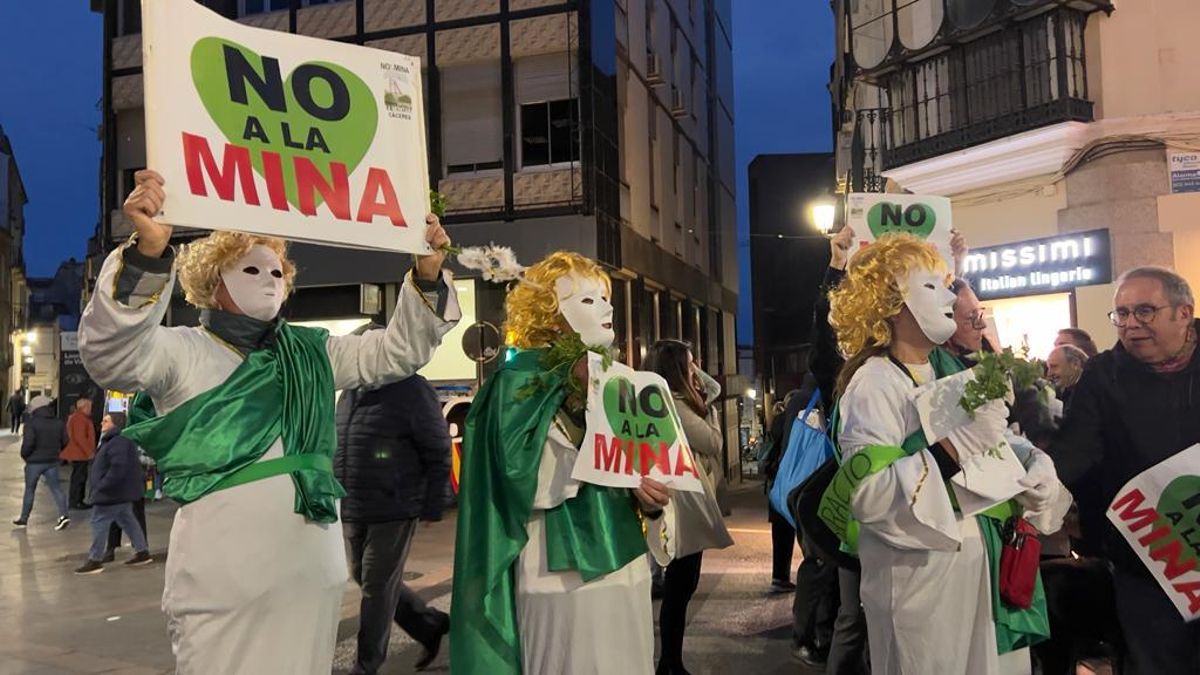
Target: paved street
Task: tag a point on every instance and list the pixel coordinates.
(52, 621)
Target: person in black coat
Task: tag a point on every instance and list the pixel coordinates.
(115, 482)
(1135, 407)
(16, 410)
(45, 437)
(393, 458)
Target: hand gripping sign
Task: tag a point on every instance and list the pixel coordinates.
(1158, 514)
(283, 135)
(633, 430)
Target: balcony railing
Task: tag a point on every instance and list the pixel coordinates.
(886, 33)
(1029, 75)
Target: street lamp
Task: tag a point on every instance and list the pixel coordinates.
(752, 393)
(822, 215)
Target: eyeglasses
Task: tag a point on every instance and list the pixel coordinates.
(977, 319)
(1143, 313)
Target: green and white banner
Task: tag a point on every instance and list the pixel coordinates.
(1158, 513)
(875, 214)
(283, 135)
(633, 430)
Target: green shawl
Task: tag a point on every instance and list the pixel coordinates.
(214, 440)
(596, 532)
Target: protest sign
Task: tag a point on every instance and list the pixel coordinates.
(1158, 514)
(874, 214)
(632, 430)
(283, 135)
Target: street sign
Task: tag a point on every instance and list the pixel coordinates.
(481, 342)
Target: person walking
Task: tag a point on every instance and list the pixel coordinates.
(116, 482)
(393, 458)
(1134, 408)
(81, 448)
(16, 410)
(699, 522)
(45, 437)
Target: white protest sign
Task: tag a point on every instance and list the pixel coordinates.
(283, 135)
(633, 430)
(874, 214)
(1158, 513)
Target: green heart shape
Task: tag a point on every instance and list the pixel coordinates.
(917, 219)
(347, 138)
(638, 414)
(1179, 503)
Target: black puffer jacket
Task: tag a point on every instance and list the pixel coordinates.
(116, 476)
(1124, 418)
(45, 436)
(393, 453)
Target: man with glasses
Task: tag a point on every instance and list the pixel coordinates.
(969, 338)
(1136, 406)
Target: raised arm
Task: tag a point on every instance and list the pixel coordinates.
(426, 310)
(121, 341)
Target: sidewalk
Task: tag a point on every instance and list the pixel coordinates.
(56, 622)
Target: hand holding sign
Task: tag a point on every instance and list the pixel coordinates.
(142, 206)
(429, 266)
(633, 432)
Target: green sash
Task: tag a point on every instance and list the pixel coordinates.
(596, 532)
(215, 440)
(1015, 628)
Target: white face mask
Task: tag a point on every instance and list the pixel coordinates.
(584, 303)
(255, 282)
(931, 303)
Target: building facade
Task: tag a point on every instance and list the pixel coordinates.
(1064, 131)
(13, 290)
(788, 257)
(598, 126)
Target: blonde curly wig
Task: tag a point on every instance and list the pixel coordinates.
(201, 261)
(532, 306)
(872, 293)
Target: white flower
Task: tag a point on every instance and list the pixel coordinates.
(494, 263)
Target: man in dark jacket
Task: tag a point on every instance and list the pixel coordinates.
(16, 409)
(116, 481)
(393, 458)
(1136, 406)
(45, 437)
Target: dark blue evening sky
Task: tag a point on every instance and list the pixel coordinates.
(50, 93)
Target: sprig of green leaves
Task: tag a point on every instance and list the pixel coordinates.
(562, 355)
(437, 206)
(993, 374)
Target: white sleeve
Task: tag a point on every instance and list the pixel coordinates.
(415, 330)
(121, 340)
(905, 504)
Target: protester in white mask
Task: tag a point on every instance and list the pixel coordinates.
(926, 588)
(238, 414)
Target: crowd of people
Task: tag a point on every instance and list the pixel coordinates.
(911, 534)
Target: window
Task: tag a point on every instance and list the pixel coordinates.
(129, 18)
(652, 124)
(550, 132)
(247, 7)
(548, 112)
(472, 126)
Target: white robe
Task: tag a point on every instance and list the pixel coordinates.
(569, 627)
(925, 588)
(251, 586)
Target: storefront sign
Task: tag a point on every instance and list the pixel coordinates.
(1156, 513)
(872, 215)
(283, 135)
(1037, 266)
(1185, 171)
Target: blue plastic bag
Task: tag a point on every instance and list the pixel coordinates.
(807, 449)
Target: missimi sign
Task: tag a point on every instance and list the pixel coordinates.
(1036, 266)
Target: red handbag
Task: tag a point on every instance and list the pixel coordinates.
(1019, 561)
